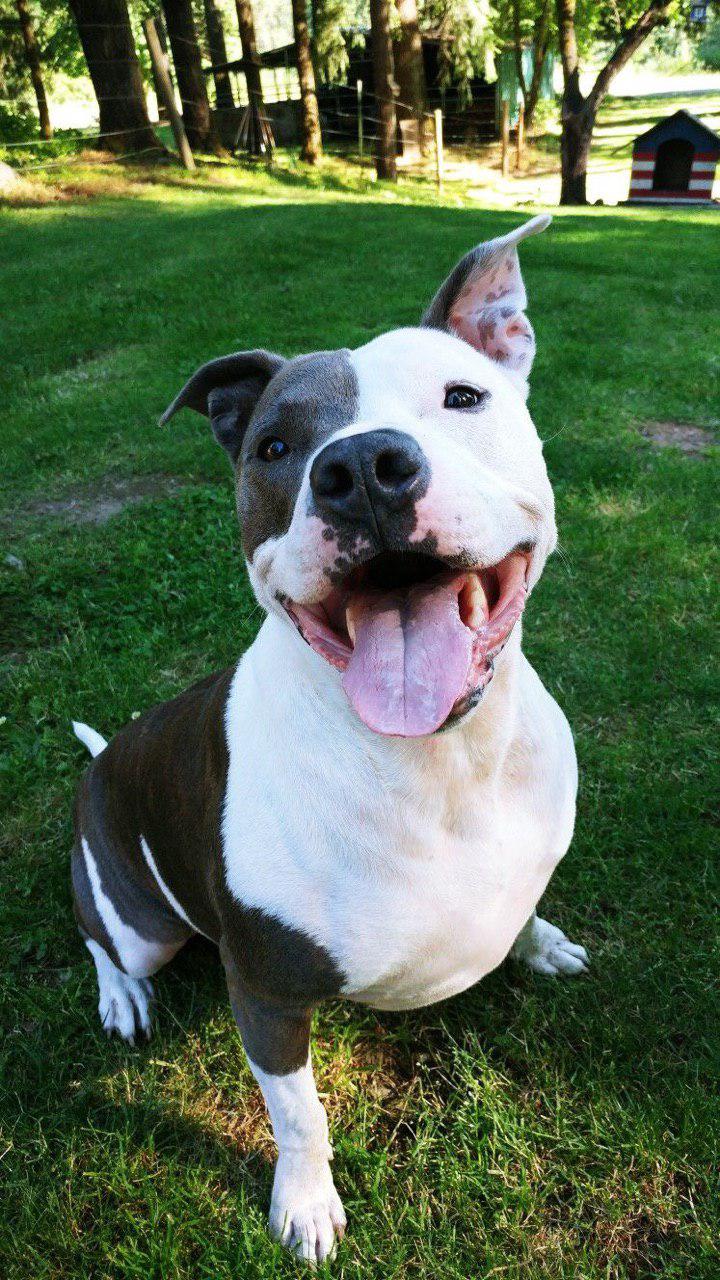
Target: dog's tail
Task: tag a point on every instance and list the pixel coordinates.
(90, 738)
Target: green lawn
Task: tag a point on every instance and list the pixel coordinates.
(529, 1128)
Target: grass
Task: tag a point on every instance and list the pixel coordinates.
(528, 1128)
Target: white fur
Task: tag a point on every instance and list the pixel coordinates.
(90, 738)
(545, 949)
(124, 1001)
(305, 1210)
(139, 956)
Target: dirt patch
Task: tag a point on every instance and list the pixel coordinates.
(96, 504)
(678, 435)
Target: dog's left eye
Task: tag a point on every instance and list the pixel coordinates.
(271, 448)
(461, 396)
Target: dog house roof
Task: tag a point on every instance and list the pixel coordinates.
(680, 125)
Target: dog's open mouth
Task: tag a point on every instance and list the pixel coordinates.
(415, 639)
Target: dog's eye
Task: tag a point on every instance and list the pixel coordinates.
(271, 448)
(461, 396)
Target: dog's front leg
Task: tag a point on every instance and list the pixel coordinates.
(305, 1210)
(546, 949)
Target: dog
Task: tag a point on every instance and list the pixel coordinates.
(372, 802)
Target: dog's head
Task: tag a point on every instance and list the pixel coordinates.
(394, 501)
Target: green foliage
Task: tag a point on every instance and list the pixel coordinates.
(467, 39)
(709, 47)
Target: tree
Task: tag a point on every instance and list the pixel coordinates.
(311, 136)
(107, 40)
(385, 89)
(579, 112)
(248, 40)
(409, 65)
(201, 132)
(218, 55)
(32, 54)
(540, 36)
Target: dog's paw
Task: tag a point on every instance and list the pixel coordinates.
(306, 1214)
(124, 1006)
(545, 949)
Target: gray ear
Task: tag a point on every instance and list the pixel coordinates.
(483, 301)
(226, 391)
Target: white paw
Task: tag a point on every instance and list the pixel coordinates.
(124, 1006)
(306, 1214)
(548, 951)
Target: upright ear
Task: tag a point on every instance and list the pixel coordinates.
(226, 391)
(483, 301)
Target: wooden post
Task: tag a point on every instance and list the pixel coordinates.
(439, 151)
(505, 134)
(164, 84)
(520, 135)
(360, 118)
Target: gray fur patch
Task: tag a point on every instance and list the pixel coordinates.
(310, 398)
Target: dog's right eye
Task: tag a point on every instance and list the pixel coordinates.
(272, 448)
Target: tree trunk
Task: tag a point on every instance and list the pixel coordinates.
(32, 54)
(409, 65)
(577, 129)
(246, 26)
(311, 136)
(578, 113)
(218, 55)
(107, 40)
(195, 104)
(385, 90)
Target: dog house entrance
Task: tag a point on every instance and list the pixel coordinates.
(673, 165)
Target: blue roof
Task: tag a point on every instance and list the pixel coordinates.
(679, 125)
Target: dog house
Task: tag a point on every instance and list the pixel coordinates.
(674, 162)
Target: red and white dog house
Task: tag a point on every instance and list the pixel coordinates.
(674, 162)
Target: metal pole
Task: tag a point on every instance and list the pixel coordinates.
(360, 117)
(439, 152)
(162, 79)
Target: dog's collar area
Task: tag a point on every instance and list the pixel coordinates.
(414, 637)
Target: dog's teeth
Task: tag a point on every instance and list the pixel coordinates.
(350, 625)
(478, 611)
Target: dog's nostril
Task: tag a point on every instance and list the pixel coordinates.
(334, 481)
(393, 466)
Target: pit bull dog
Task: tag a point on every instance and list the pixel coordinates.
(370, 804)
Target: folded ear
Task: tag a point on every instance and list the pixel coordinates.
(483, 301)
(226, 391)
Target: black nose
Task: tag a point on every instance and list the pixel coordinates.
(372, 473)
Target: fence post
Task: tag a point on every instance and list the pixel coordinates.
(505, 134)
(162, 79)
(439, 152)
(360, 118)
(520, 135)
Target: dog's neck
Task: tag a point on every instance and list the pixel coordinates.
(291, 677)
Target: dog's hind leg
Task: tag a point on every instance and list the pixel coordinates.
(545, 949)
(129, 933)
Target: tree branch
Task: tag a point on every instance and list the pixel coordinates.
(633, 38)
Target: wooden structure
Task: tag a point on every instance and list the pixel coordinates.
(674, 162)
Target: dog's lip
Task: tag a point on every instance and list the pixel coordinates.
(492, 598)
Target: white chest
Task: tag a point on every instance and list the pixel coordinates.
(416, 875)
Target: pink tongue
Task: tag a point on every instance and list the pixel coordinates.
(411, 658)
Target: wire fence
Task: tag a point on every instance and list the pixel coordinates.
(350, 119)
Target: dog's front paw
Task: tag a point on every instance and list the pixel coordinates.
(545, 949)
(306, 1214)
